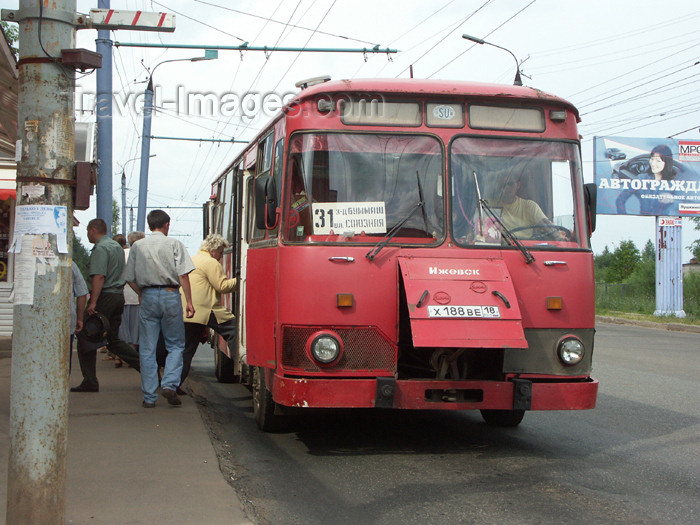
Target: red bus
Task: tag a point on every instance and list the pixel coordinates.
(411, 244)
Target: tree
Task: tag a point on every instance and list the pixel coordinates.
(644, 276)
(80, 256)
(11, 31)
(602, 264)
(625, 259)
(695, 247)
(649, 251)
(115, 218)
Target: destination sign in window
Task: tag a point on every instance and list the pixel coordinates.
(342, 217)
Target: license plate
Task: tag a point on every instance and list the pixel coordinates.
(484, 312)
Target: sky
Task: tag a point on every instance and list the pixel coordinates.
(630, 66)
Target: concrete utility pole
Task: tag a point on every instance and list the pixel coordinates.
(42, 291)
(39, 401)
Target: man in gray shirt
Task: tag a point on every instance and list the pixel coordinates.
(158, 265)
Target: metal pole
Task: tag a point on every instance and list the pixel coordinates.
(146, 136)
(266, 49)
(104, 125)
(517, 81)
(123, 202)
(145, 155)
(39, 400)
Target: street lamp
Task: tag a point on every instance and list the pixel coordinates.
(209, 54)
(123, 166)
(517, 81)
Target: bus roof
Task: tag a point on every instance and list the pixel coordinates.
(413, 86)
(423, 87)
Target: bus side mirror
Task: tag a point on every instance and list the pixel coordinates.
(265, 203)
(590, 195)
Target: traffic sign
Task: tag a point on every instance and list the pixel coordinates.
(136, 20)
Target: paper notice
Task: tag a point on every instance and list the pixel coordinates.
(25, 270)
(39, 219)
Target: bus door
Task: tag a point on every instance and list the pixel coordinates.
(244, 199)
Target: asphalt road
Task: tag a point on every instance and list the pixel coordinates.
(634, 459)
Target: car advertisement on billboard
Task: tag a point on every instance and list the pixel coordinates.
(644, 176)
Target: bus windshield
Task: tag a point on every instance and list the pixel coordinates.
(358, 186)
(525, 186)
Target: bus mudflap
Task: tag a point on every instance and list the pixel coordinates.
(463, 303)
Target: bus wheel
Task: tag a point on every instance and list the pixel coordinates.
(264, 405)
(503, 418)
(224, 367)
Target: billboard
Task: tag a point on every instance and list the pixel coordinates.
(646, 176)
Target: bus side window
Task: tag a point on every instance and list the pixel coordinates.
(262, 168)
(276, 171)
(254, 233)
(218, 209)
(277, 166)
(299, 218)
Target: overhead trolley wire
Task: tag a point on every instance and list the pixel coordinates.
(236, 131)
(447, 32)
(620, 36)
(304, 46)
(287, 24)
(620, 55)
(487, 34)
(588, 89)
(652, 92)
(663, 75)
(199, 21)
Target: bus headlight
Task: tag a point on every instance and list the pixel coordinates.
(325, 347)
(570, 350)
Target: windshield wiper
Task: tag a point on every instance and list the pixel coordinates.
(483, 205)
(422, 200)
(512, 239)
(378, 247)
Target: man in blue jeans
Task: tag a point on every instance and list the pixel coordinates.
(158, 265)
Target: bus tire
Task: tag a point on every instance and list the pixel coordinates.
(224, 368)
(503, 418)
(264, 405)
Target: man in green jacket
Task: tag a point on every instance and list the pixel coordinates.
(106, 283)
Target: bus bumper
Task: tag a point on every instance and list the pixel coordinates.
(549, 394)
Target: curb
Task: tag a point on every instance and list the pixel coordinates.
(673, 327)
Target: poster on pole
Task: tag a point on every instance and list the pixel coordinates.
(647, 176)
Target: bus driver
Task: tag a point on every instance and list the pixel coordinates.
(523, 217)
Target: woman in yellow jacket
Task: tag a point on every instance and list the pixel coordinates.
(208, 281)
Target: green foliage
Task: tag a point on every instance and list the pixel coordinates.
(622, 297)
(81, 256)
(115, 218)
(643, 279)
(695, 249)
(619, 290)
(691, 294)
(695, 246)
(602, 264)
(11, 31)
(625, 259)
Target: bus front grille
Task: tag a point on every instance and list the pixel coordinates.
(365, 350)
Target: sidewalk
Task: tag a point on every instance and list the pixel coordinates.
(127, 464)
